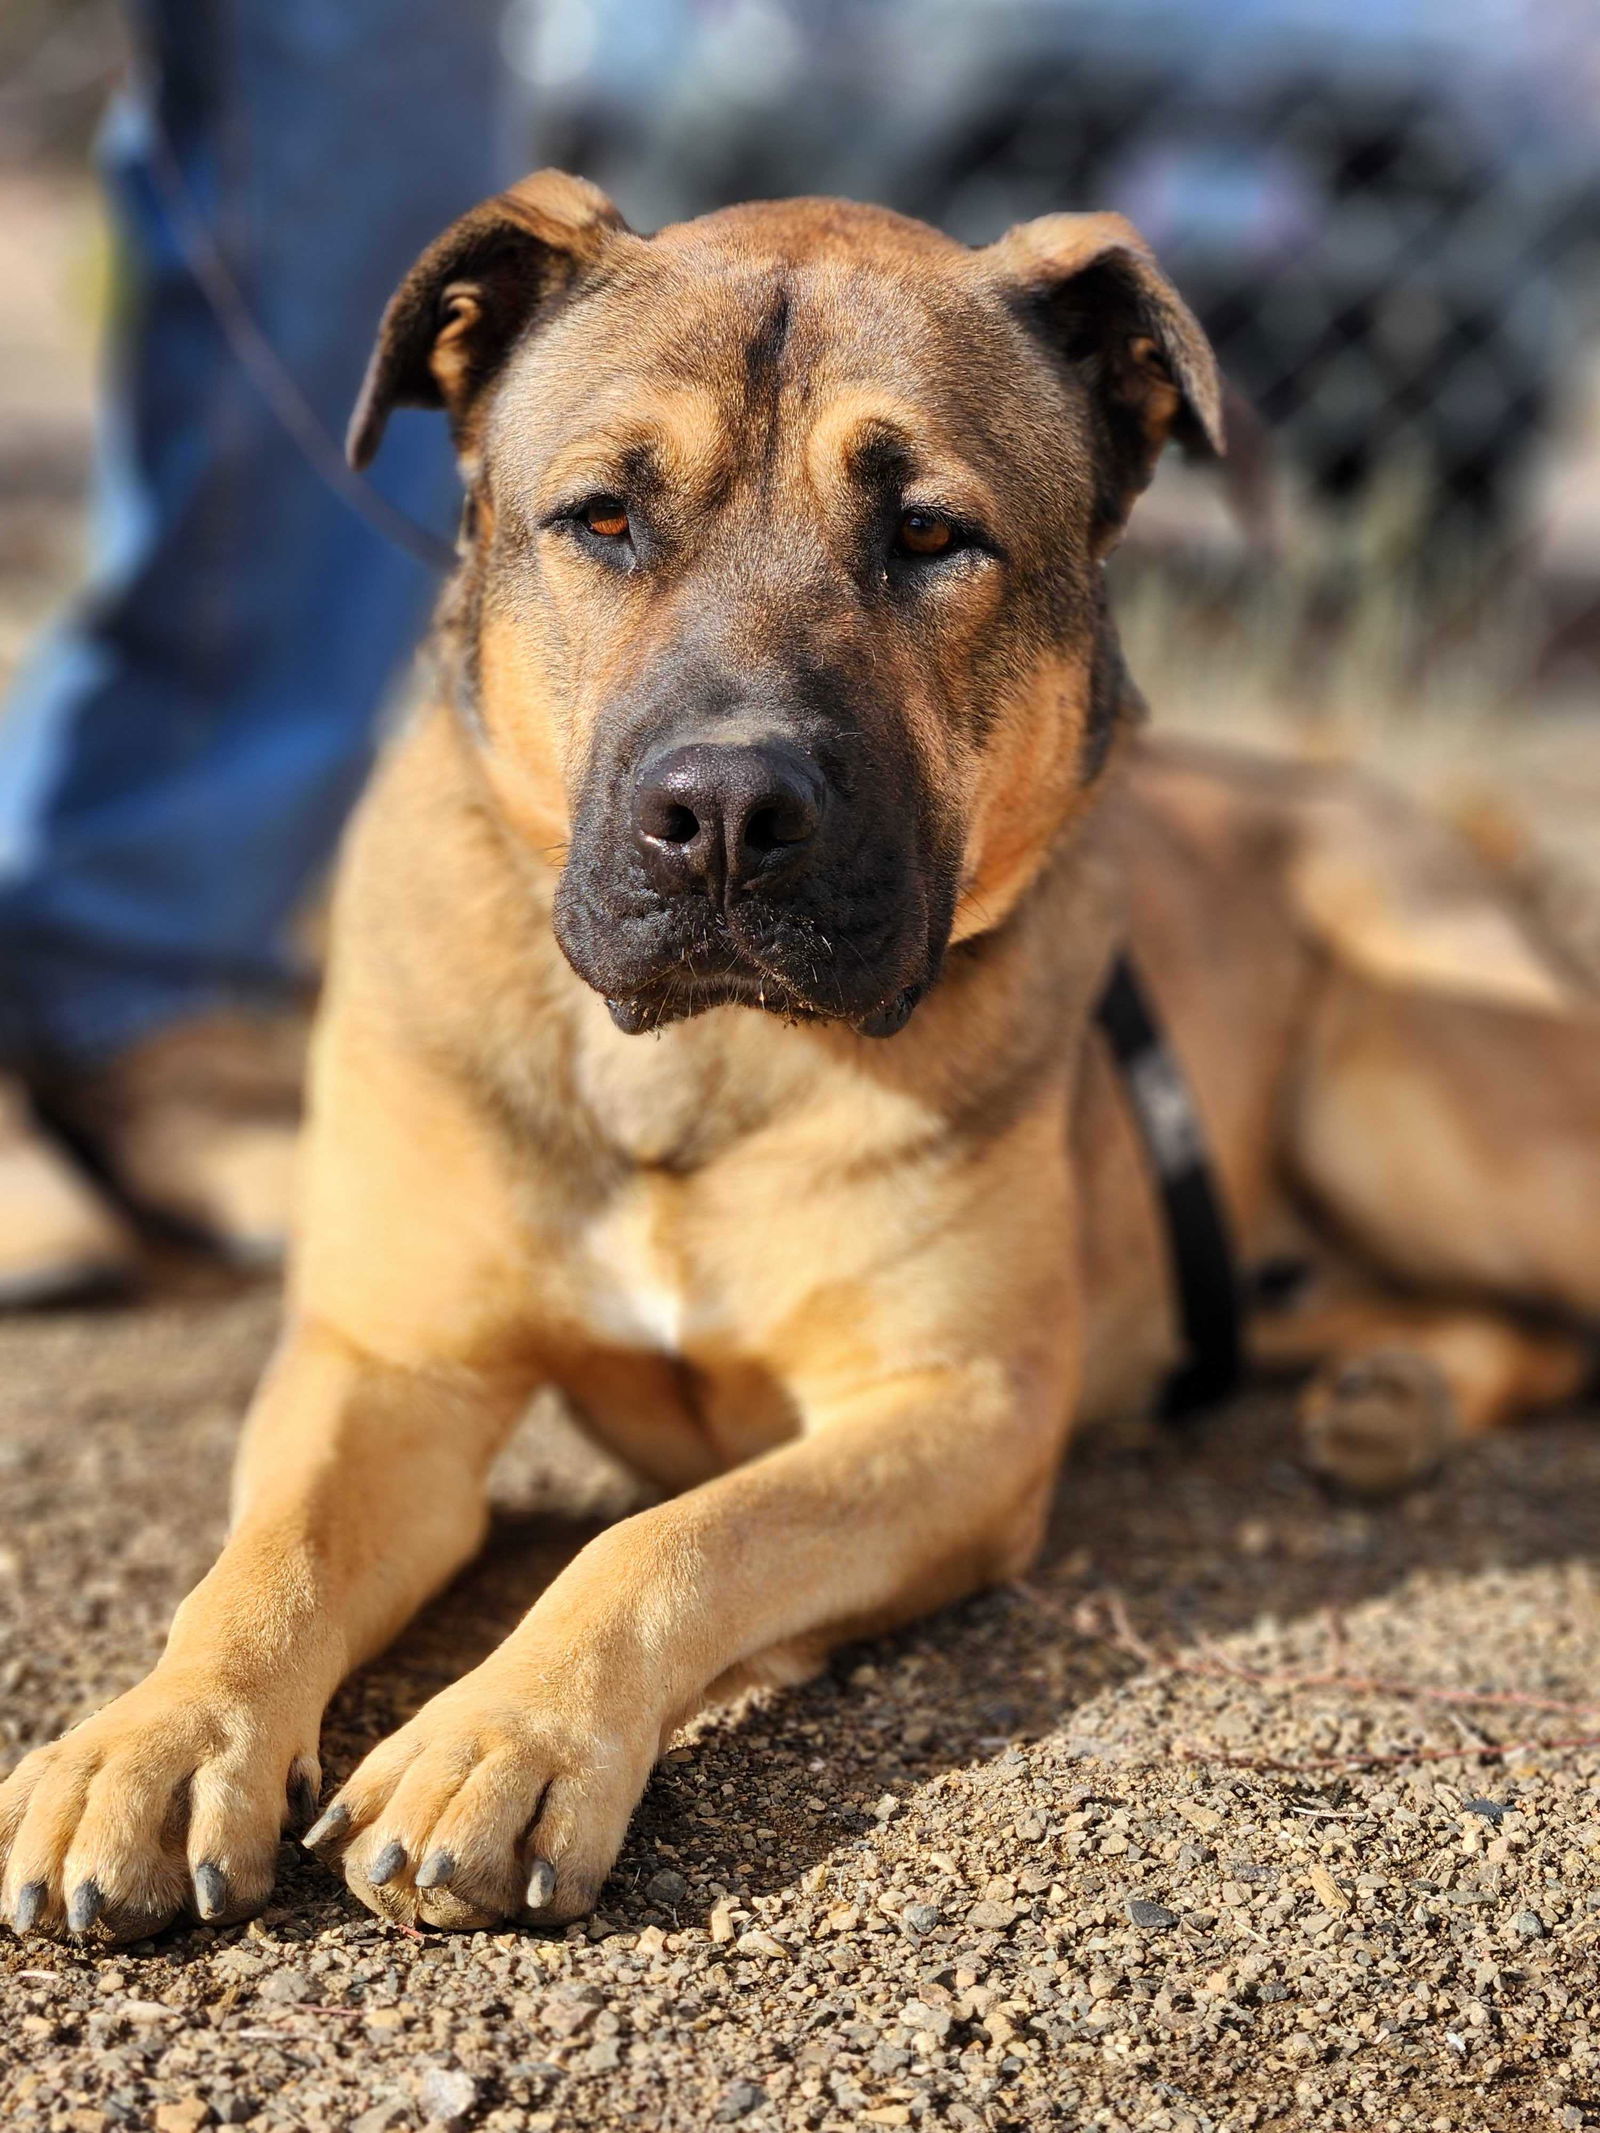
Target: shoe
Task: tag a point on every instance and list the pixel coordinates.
(195, 1129)
(59, 1241)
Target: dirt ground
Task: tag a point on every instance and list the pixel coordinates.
(1201, 1829)
(1250, 1810)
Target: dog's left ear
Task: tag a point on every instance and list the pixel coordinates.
(1089, 287)
(454, 319)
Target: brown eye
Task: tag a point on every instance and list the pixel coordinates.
(924, 533)
(606, 518)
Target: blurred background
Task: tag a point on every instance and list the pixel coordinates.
(1387, 212)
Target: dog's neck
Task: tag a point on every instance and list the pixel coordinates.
(1115, 706)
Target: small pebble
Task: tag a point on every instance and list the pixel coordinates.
(1150, 1917)
(667, 1888)
(284, 1987)
(187, 2115)
(737, 2101)
(990, 1917)
(447, 2094)
(1491, 1810)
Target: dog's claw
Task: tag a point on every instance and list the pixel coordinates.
(387, 1864)
(435, 1871)
(88, 1901)
(327, 1826)
(541, 1884)
(210, 1890)
(30, 1902)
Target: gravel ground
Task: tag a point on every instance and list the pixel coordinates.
(1058, 1857)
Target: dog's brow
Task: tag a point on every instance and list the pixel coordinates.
(859, 422)
(678, 442)
(878, 446)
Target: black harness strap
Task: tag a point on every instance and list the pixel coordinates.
(1198, 1235)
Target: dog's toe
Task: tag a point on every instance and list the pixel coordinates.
(164, 1803)
(478, 1811)
(1378, 1423)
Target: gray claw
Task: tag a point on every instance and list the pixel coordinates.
(30, 1902)
(211, 1890)
(541, 1884)
(387, 1864)
(332, 1824)
(436, 1870)
(88, 1901)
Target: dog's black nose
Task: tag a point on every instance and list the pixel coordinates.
(718, 817)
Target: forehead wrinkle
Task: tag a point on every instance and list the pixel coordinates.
(845, 426)
(953, 357)
(859, 426)
(677, 441)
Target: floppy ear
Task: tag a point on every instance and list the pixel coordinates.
(453, 320)
(1089, 287)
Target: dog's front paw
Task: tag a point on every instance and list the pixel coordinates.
(169, 1800)
(490, 1804)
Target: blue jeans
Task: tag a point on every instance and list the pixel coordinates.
(179, 755)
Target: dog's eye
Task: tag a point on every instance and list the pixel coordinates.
(924, 533)
(606, 517)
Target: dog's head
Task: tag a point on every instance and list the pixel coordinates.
(783, 584)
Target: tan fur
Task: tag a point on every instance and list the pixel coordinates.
(842, 1299)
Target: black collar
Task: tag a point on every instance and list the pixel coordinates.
(1199, 1238)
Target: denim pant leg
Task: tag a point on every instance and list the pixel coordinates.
(179, 755)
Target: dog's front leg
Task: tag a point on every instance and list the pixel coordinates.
(510, 1792)
(361, 1488)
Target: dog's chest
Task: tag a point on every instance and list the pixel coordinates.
(666, 1319)
(639, 1286)
(665, 1364)
(725, 1225)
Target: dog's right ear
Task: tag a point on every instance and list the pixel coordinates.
(452, 322)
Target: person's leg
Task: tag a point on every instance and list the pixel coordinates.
(176, 763)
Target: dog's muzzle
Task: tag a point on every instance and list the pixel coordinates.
(745, 869)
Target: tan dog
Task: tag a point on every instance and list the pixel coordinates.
(708, 1036)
